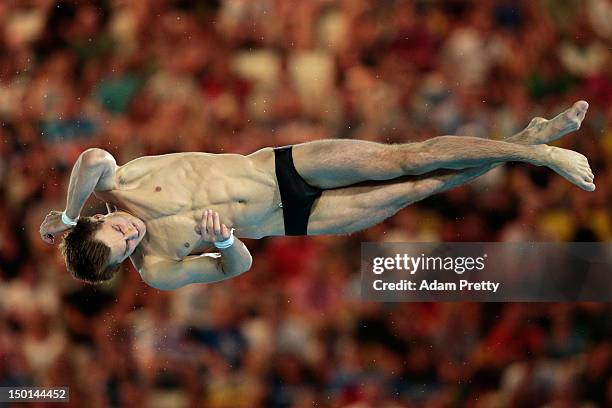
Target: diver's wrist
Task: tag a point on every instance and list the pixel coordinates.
(67, 220)
(225, 243)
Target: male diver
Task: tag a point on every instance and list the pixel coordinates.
(170, 204)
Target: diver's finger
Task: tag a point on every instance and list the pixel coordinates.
(210, 224)
(225, 233)
(201, 226)
(217, 224)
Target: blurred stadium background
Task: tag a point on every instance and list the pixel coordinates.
(159, 76)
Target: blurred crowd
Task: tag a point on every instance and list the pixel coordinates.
(159, 76)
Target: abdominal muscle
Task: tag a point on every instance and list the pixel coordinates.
(170, 193)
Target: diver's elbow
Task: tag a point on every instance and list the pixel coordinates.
(246, 266)
(95, 156)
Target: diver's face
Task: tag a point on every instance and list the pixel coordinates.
(122, 232)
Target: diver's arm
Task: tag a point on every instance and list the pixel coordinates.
(93, 171)
(234, 259)
(167, 274)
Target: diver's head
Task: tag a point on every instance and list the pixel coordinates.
(95, 248)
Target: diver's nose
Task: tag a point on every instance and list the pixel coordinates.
(129, 230)
(132, 232)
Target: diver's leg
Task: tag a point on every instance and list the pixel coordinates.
(350, 209)
(338, 163)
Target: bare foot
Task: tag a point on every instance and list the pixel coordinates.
(542, 131)
(571, 165)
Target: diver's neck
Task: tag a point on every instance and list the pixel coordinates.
(117, 209)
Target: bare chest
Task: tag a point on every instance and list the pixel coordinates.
(174, 236)
(170, 198)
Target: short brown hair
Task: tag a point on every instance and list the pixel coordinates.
(87, 258)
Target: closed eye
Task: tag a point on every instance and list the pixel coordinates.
(126, 242)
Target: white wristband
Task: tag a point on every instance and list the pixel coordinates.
(226, 243)
(67, 220)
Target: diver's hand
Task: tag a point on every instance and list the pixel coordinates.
(211, 229)
(51, 226)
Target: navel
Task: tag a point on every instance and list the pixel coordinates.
(158, 189)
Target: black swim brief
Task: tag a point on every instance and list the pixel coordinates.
(297, 196)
